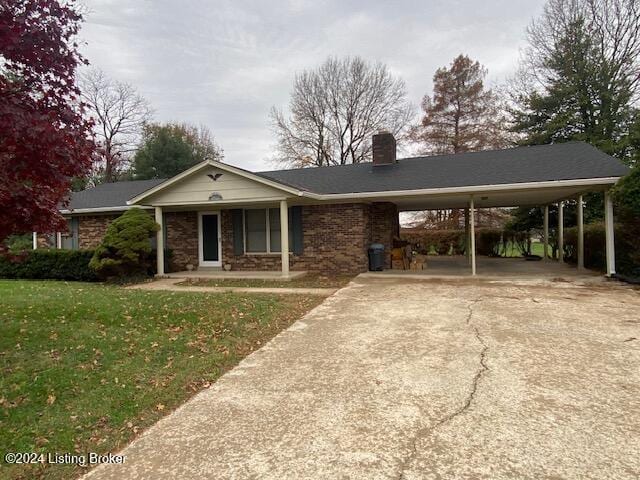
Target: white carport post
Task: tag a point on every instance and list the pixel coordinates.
(472, 222)
(580, 233)
(609, 235)
(466, 235)
(561, 232)
(284, 237)
(159, 242)
(545, 233)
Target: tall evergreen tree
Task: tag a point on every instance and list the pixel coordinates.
(579, 75)
(579, 78)
(168, 149)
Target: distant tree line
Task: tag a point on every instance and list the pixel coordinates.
(129, 144)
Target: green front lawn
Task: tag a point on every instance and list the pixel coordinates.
(86, 367)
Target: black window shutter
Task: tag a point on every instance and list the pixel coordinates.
(238, 234)
(296, 227)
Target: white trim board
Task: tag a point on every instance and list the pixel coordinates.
(123, 208)
(222, 166)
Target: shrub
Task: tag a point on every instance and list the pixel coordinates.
(19, 243)
(627, 239)
(519, 239)
(49, 264)
(125, 249)
(442, 242)
(489, 242)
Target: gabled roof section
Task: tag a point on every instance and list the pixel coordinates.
(543, 163)
(575, 163)
(222, 166)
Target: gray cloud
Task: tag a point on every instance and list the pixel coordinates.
(225, 63)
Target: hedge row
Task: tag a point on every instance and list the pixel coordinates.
(49, 264)
(489, 241)
(627, 241)
(442, 242)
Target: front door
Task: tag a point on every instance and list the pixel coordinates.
(209, 224)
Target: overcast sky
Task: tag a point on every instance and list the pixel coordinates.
(224, 64)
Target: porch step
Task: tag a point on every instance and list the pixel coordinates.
(221, 274)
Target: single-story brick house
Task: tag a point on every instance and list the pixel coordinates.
(324, 219)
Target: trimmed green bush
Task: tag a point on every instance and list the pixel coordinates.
(627, 240)
(442, 242)
(489, 242)
(49, 264)
(125, 249)
(19, 243)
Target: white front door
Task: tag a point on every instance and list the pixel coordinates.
(209, 244)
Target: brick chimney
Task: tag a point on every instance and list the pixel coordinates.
(384, 149)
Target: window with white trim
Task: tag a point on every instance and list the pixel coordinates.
(262, 230)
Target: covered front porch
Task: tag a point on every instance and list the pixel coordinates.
(249, 240)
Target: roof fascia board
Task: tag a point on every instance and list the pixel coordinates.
(221, 166)
(215, 203)
(67, 211)
(466, 189)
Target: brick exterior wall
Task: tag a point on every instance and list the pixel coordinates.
(335, 238)
(385, 225)
(182, 239)
(91, 229)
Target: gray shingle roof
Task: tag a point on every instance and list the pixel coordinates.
(562, 161)
(110, 194)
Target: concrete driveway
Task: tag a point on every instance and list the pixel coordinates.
(436, 379)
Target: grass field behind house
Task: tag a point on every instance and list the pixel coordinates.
(86, 367)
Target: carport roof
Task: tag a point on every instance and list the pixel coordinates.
(413, 183)
(542, 163)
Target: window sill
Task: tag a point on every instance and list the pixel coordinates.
(264, 254)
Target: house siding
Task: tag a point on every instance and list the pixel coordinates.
(385, 226)
(335, 238)
(92, 228)
(181, 239)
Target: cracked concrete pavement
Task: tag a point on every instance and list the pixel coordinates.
(395, 378)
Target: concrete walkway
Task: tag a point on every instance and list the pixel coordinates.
(170, 284)
(392, 379)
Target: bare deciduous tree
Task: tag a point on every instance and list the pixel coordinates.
(614, 29)
(119, 113)
(334, 111)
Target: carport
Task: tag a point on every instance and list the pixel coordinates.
(527, 176)
(533, 194)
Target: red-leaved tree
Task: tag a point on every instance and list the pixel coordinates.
(44, 139)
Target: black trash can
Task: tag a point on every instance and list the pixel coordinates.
(376, 257)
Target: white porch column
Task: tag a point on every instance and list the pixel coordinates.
(610, 244)
(58, 240)
(561, 232)
(466, 235)
(545, 233)
(284, 236)
(580, 234)
(472, 225)
(160, 242)
(35, 241)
